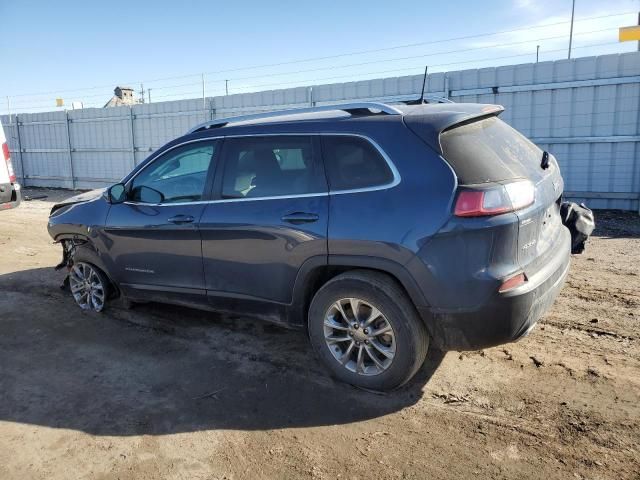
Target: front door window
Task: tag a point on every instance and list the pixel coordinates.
(180, 175)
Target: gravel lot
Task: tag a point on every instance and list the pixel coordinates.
(167, 392)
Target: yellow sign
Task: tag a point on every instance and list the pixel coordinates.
(59, 102)
(627, 34)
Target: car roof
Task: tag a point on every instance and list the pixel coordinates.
(426, 120)
(440, 114)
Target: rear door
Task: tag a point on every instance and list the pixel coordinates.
(153, 239)
(270, 218)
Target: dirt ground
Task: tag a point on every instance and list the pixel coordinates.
(166, 392)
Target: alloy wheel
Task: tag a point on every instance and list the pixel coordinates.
(359, 336)
(87, 287)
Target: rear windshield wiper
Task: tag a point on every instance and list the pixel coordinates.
(545, 160)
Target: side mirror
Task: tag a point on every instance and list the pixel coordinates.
(117, 193)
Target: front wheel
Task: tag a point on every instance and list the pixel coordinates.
(366, 331)
(89, 286)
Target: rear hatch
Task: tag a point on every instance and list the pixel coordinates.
(484, 151)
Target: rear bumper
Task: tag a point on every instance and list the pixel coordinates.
(16, 198)
(505, 317)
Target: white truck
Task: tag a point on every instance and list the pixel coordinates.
(9, 187)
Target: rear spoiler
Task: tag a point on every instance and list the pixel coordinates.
(487, 111)
(429, 121)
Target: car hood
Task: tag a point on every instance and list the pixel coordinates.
(81, 198)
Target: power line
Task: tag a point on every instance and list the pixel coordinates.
(416, 68)
(421, 67)
(433, 54)
(432, 42)
(484, 47)
(328, 57)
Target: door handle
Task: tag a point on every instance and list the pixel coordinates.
(179, 219)
(300, 217)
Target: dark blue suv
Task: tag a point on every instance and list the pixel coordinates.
(379, 228)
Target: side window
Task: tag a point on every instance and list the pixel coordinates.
(353, 162)
(176, 176)
(270, 166)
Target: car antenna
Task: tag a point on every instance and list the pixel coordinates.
(420, 100)
(424, 82)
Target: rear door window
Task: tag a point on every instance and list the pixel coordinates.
(270, 167)
(353, 163)
(489, 150)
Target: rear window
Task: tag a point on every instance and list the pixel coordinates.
(352, 162)
(489, 150)
(271, 166)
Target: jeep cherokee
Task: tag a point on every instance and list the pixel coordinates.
(379, 228)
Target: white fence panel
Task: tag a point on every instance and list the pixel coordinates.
(585, 111)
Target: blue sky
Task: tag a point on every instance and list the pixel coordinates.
(81, 50)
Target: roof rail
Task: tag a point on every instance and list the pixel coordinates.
(428, 99)
(360, 108)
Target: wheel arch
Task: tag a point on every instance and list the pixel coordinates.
(317, 271)
(86, 251)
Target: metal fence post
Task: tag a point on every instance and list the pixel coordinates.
(22, 174)
(204, 98)
(69, 150)
(312, 103)
(133, 138)
(446, 86)
(212, 110)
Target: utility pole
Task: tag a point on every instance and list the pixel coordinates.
(537, 52)
(226, 86)
(141, 93)
(573, 10)
(9, 108)
(149, 93)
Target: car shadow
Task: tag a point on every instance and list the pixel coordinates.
(158, 369)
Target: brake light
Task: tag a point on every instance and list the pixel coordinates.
(513, 282)
(7, 159)
(494, 200)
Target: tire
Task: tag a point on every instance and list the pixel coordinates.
(408, 339)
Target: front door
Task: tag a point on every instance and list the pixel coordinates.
(271, 217)
(153, 239)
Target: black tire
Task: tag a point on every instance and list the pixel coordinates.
(108, 288)
(384, 293)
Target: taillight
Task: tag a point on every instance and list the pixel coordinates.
(494, 199)
(7, 159)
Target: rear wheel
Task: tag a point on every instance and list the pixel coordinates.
(89, 286)
(366, 330)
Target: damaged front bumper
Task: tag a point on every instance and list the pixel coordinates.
(68, 247)
(68, 250)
